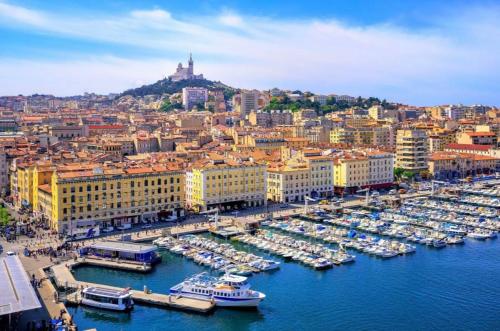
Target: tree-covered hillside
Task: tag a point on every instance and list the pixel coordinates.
(166, 86)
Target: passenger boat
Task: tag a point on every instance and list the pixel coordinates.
(107, 298)
(226, 291)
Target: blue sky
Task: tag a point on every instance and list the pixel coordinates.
(417, 52)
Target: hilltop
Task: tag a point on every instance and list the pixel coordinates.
(167, 86)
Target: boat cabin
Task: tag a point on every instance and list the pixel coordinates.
(107, 298)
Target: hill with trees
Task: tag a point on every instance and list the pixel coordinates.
(167, 86)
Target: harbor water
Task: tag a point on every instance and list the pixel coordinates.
(457, 288)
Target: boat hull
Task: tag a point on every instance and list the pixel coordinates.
(221, 301)
(102, 305)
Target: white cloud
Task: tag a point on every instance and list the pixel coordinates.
(231, 19)
(456, 61)
(155, 14)
(70, 77)
(20, 14)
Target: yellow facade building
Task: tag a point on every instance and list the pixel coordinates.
(308, 174)
(114, 196)
(374, 136)
(371, 168)
(75, 197)
(225, 182)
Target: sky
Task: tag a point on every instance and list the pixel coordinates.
(415, 52)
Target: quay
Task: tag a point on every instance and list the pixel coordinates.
(64, 279)
(226, 231)
(47, 293)
(114, 264)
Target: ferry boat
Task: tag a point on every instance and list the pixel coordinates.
(226, 291)
(107, 298)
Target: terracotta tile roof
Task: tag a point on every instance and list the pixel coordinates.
(46, 188)
(481, 134)
(105, 127)
(471, 147)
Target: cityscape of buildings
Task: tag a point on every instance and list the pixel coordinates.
(89, 160)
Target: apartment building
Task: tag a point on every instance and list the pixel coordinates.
(411, 150)
(308, 174)
(372, 135)
(290, 182)
(76, 196)
(249, 101)
(449, 165)
(360, 169)
(194, 96)
(225, 182)
(477, 138)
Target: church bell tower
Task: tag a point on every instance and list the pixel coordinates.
(190, 63)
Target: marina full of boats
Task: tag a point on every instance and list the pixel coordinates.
(392, 232)
(471, 199)
(218, 256)
(345, 238)
(430, 211)
(398, 227)
(455, 207)
(313, 255)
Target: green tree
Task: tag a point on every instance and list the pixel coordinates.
(408, 174)
(167, 106)
(200, 106)
(398, 172)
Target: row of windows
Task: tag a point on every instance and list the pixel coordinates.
(103, 186)
(133, 212)
(119, 204)
(222, 294)
(235, 176)
(101, 299)
(235, 183)
(119, 195)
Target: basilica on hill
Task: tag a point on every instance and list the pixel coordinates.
(185, 73)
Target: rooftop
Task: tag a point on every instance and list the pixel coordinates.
(481, 134)
(471, 147)
(124, 247)
(17, 294)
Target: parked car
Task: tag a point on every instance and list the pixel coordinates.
(108, 229)
(10, 253)
(146, 226)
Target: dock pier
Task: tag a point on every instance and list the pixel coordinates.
(64, 279)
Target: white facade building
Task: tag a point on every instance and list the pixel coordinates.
(192, 96)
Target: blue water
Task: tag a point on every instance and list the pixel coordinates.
(455, 288)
